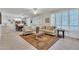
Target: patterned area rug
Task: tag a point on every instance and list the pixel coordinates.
(41, 43)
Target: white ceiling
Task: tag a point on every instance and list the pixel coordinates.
(28, 11)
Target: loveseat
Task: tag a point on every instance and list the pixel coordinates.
(51, 30)
(27, 30)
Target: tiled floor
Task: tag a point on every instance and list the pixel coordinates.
(12, 41)
(0, 31)
(66, 44)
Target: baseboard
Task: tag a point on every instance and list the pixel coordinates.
(72, 37)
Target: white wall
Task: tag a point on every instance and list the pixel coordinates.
(0, 31)
(73, 34)
(6, 17)
(44, 17)
(40, 20)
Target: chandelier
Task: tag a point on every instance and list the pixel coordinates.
(35, 10)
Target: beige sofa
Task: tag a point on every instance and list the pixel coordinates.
(46, 29)
(51, 30)
(27, 30)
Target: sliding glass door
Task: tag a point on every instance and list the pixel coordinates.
(74, 24)
(58, 20)
(65, 20)
(68, 20)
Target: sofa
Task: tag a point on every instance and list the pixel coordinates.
(27, 30)
(51, 30)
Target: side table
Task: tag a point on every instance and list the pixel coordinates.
(60, 33)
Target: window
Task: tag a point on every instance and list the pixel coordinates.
(53, 20)
(28, 21)
(58, 19)
(35, 21)
(65, 19)
(74, 19)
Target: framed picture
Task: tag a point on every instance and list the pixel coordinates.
(47, 20)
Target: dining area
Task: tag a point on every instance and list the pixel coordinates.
(19, 25)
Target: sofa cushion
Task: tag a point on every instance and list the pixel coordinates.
(43, 27)
(48, 28)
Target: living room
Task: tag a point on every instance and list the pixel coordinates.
(43, 24)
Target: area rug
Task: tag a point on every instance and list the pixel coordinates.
(41, 43)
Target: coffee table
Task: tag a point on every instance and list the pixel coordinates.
(37, 35)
